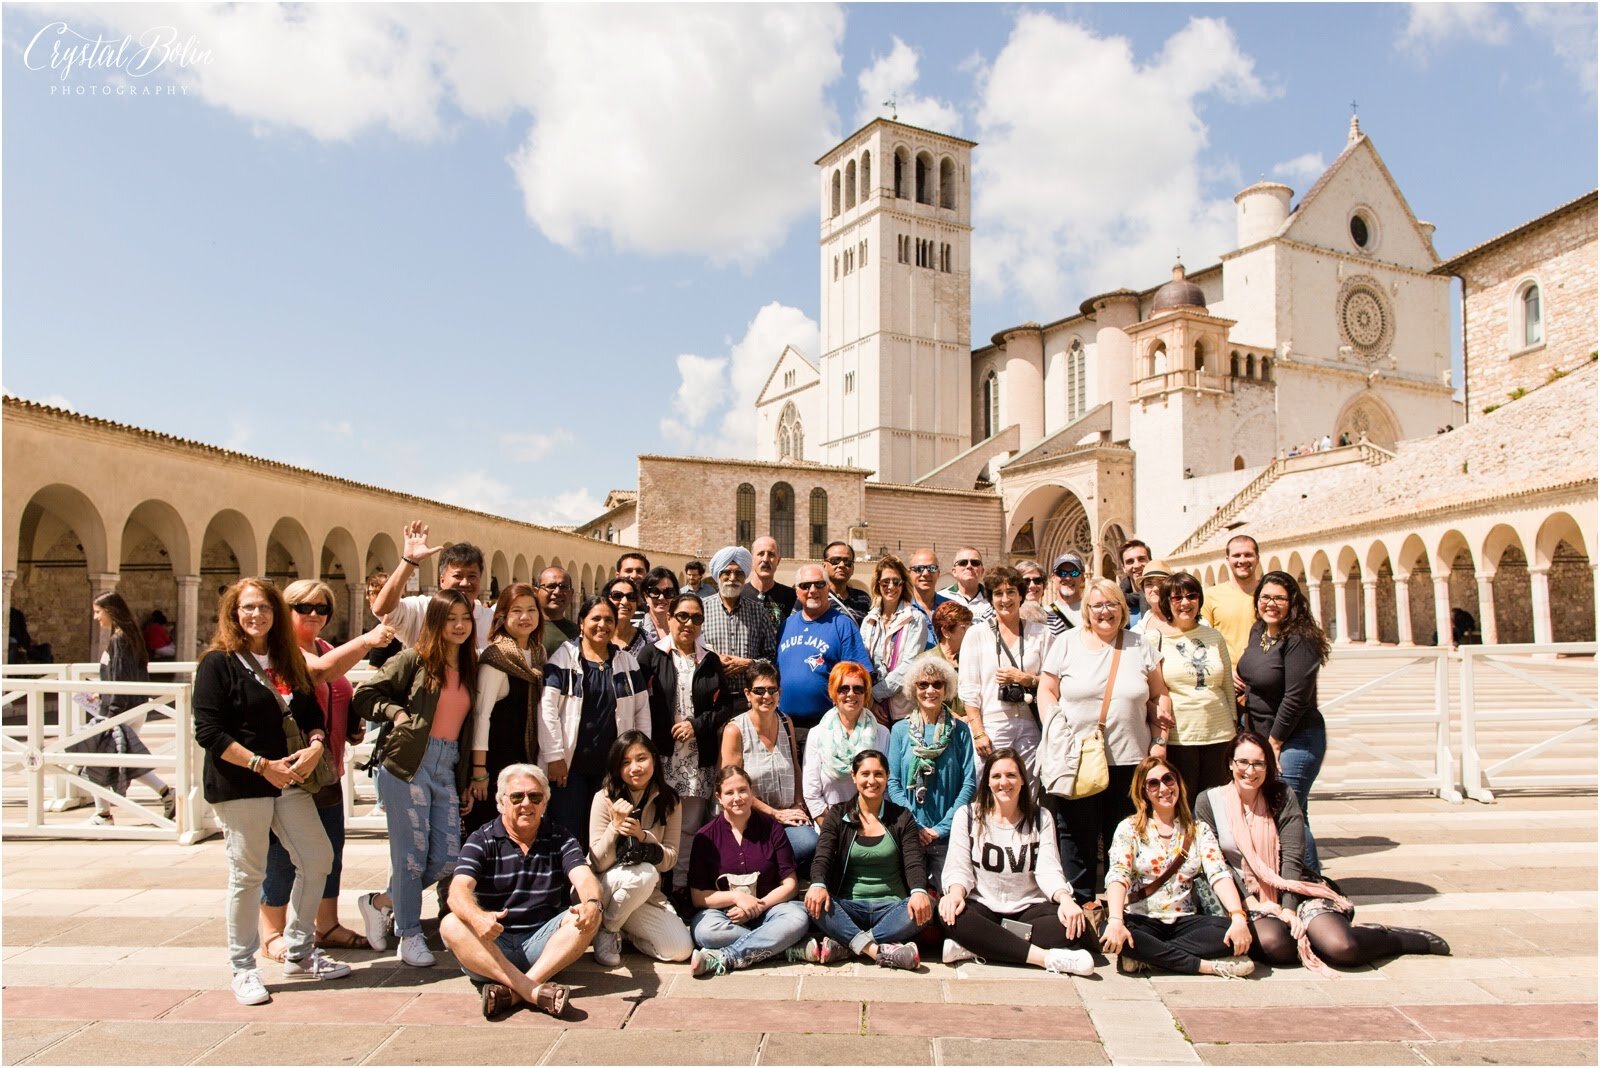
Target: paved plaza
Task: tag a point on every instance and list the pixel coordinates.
(113, 954)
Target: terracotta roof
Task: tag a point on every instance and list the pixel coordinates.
(723, 461)
(1449, 266)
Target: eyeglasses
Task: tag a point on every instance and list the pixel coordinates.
(1176, 596)
(659, 595)
(930, 684)
(1160, 782)
(1249, 765)
(810, 585)
(892, 583)
(1069, 572)
(517, 797)
(763, 691)
(255, 609)
(556, 587)
(1272, 598)
(841, 561)
(312, 609)
(852, 687)
(1103, 609)
(731, 574)
(969, 563)
(1033, 580)
(925, 569)
(617, 597)
(689, 619)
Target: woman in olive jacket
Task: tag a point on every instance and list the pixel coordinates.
(869, 882)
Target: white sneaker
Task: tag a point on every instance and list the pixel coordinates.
(608, 948)
(1069, 962)
(1233, 967)
(248, 988)
(100, 819)
(315, 965)
(414, 951)
(375, 920)
(955, 952)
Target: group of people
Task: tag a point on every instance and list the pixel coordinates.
(730, 772)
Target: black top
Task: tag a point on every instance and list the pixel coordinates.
(533, 887)
(778, 601)
(713, 698)
(597, 726)
(232, 704)
(1281, 695)
(840, 826)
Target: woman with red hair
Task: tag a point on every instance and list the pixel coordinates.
(844, 730)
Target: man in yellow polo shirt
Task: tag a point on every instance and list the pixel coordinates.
(1231, 605)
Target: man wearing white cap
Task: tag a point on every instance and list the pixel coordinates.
(1065, 609)
(737, 629)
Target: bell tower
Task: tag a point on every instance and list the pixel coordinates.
(896, 308)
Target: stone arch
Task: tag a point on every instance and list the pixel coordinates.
(1296, 566)
(536, 567)
(1319, 589)
(866, 176)
(1561, 552)
(947, 183)
(902, 172)
(1047, 521)
(499, 573)
(1379, 569)
(1233, 363)
(162, 520)
(836, 190)
(1556, 528)
(1199, 354)
(288, 555)
(68, 506)
(1454, 560)
(382, 554)
(1249, 365)
(154, 550)
(340, 561)
(587, 586)
(1272, 563)
(1156, 361)
(850, 185)
(62, 542)
(1352, 608)
(1368, 415)
(229, 551)
(924, 177)
(791, 434)
(519, 569)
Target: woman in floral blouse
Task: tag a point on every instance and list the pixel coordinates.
(1155, 915)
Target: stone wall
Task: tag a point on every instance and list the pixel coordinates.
(1558, 254)
(906, 518)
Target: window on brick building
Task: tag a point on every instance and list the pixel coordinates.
(744, 514)
(1532, 314)
(781, 510)
(819, 522)
(991, 404)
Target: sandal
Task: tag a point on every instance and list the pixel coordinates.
(497, 998)
(550, 998)
(283, 949)
(341, 937)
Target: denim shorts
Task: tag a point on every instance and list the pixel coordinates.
(523, 946)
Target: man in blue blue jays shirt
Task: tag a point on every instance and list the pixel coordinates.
(814, 638)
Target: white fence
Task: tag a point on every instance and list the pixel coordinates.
(1394, 724)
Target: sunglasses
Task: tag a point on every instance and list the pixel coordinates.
(925, 569)
(1176, 596)
(930, 684)
(312, 609)
(969, 563)
(809, 585)
(659, 595)
(517, 797)
(852, 687)
(840, 561)
(619, 597)
(689, 619)
(1160, 782)
(556, 587)
(892, 583)
(1069, 572)
(1033, 580)
(763, 691)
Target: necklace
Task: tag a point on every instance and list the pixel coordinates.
(1268, 640)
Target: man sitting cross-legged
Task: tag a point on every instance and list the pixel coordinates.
(510, 925)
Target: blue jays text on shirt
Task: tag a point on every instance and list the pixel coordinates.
(816, 662)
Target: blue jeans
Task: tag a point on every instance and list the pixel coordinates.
(858, 924)
(570, 804)
(522, 947)
(780, 927)
(1299, 763)
(279, 880)
(803, 840)
(424, 818)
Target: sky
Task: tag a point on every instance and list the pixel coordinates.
(490, 254)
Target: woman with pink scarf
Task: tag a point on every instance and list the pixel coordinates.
(1293, 915)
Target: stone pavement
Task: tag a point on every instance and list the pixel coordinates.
(113, 954)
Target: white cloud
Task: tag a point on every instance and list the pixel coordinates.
(1305, 168)
(1571, 31)
(1091, 171)
(534, 445)
(1429, 25)
(894, 76)
(654, 128)
(341, 427)
(735, 380)
(482, 492)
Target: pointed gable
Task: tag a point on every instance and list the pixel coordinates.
(805, 375)
(1358, 183)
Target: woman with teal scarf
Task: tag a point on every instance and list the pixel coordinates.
(931, 764)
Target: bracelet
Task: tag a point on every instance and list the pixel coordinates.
(480, 778)
(412, 562)
(1238, 914)
(591, 901)
(255, 763)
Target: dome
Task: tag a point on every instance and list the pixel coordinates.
(1178, 293)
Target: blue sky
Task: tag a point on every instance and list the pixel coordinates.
(491, 254)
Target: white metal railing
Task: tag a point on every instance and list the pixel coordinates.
(1346, 725)
(1545, 726)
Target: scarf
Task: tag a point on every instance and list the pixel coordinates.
(921, 758)
(839, 746)
(504, 654)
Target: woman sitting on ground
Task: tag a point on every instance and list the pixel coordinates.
(930, 759)
(869, 886)
(1293, 915)
(1154, 913)
(634, 829)
(742, 879)
(1004, 866)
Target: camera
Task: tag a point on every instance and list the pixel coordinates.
(1014, 693)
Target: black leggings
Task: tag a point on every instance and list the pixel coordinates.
(1337, 941)
(978, 929)
(1179, 946)
(1084, 829)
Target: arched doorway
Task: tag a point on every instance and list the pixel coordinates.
(61, 544)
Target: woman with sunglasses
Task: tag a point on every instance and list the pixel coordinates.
(762, 741)
(660, 591)
(1199, 675)
(1277, 675)
(845, 730)
(625, 597)
(1157, 855)
(593, 693)
(505, 720)
(1293, 916)
(689, 705)
(1003, 878)
(894, 633)
(311, 601)
(930, 759)
(1033, 587)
